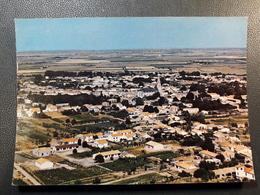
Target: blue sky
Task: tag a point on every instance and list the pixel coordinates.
(129, 33)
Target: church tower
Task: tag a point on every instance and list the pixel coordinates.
(159, 86)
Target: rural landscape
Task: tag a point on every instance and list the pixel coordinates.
(132, 117)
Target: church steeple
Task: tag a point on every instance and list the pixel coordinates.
(159, 86)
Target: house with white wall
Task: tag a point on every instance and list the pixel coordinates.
(43, 163)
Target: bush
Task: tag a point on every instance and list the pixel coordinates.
(184, 174)
(99, 158)
(96, 180)
(84, 144)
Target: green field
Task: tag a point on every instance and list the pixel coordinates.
(59, 176)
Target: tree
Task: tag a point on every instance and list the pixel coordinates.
(184, 174)
(201, 173)
(73, 122)
(162, 101)
(127, 121)
(55, 134)
(79, 142)
(234, 125)
(139, 101)
(220, 157)
(99, 158)
(96, 180)
(84, 144)
(190, 96)
(78, 182)
(74, 151)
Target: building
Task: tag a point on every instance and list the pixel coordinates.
(225, 172)
(69, 141)
(244, 172)
(183, 166)
(109, 155)
(191, 110)
(101, 143)
(41, 152)
(208, 154)
(151, 145)
(65, 147)
(147, 91)
(116, 137)
(43, 163)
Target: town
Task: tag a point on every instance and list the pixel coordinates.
(132, 126)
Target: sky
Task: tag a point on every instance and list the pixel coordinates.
(129, 33)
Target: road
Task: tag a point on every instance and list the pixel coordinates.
(26, 175)
(130, 177)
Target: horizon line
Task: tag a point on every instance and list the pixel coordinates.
(166, 48)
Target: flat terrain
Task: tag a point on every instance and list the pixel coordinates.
(230, 61)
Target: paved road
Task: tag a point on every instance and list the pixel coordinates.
(26, 175)
(130, 177)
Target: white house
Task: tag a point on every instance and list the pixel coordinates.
(89, 137)
(133, 111)
(228, 155)
(43, 163)
(130, 136)
(219, 137)
(113, 154)
(151, 145)
(183, 166)
(198, 132)
(200, 126)
(225, 172)
(65, 147)
(42, 152)
(101, 143)
(51, 108)
(244, 172)
(116, 137)
(124, 132)
(191, 110)
(206, 153)
(174, 109)
(69, 141)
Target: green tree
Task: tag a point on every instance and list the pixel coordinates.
(99, 158)
(84, 144)
(220, 157)
(96, 180)
(73, 122)
(184, 174)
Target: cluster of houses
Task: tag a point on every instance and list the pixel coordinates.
(129, 93)
(227, 147)
(146, 123)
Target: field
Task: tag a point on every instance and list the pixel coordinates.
(228, 61)
(59, 176)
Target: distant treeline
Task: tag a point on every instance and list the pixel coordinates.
(53, 74)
